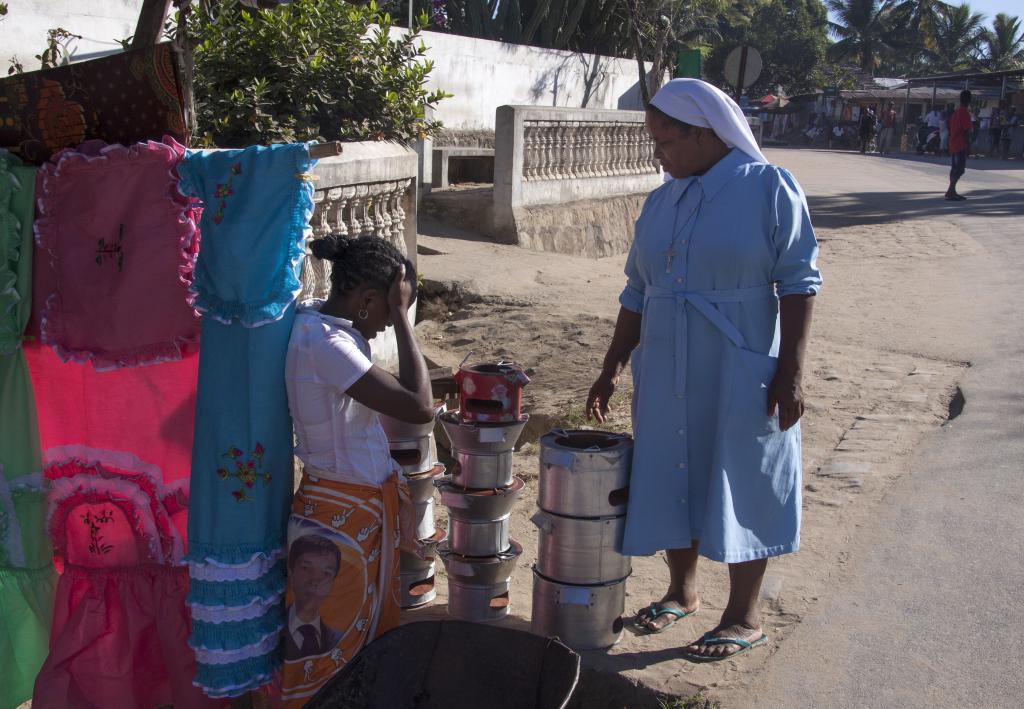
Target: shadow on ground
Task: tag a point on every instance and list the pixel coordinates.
(860, 208)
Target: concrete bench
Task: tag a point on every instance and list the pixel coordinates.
(455, 163)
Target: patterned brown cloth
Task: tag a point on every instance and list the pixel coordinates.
(124, 98)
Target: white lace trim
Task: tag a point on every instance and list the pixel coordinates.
(12, 541)
(226, 657)
(32, 481)
(234, 690)
(122, 460)
(258, 566)
(127, 462)
(231, 614)
(62, 489)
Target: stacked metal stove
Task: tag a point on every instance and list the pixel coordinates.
(480, 554)
(579, 583)
(414, 449)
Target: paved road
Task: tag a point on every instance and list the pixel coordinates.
(933, 613)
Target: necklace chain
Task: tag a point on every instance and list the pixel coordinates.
(670, 253)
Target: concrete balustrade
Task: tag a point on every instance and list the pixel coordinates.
(566, 156)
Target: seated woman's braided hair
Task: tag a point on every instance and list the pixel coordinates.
(367, 260)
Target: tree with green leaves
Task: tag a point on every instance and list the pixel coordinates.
(958, 36)
(311, 69)
(659, 29)
(864, 32)
(790, 35)
(578, 25)
(919, 20)
(1004, 43)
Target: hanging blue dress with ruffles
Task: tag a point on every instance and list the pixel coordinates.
(257, 206)
(708, 462)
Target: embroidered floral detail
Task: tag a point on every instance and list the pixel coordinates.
(223, 191)
(93, 522)
(112, 250)
(247, 472)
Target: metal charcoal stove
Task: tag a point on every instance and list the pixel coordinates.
(584, 617)
(479, 520)
(483, 450)
(478, 604)
(417, 580)
(478, 587)
(490, 393)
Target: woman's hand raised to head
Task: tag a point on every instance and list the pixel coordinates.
(402, 292)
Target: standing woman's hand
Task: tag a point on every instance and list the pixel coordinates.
(786, 395)
(402, 292)
(599, 397)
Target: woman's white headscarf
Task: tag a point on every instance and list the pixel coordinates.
(700, 104)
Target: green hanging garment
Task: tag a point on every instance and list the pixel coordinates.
(26, 570)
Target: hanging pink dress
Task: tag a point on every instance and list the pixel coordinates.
(114, 374)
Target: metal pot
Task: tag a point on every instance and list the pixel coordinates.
(584, 473)
(482, 471)
(424, 516)
(583, 617)
(581, 551)
(478, 604)
(418, 587)
(481, 437)
(479, 505)
(475, 571)
(421, 485)
(414, 455)
(490, 392)
(397, 430)
(479, 538)
(427, 548)
(414, 564)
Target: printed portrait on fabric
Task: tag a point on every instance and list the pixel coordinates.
(327, 587)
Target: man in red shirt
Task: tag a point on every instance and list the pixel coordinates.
(960, 124)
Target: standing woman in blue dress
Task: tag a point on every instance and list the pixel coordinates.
(715, 318)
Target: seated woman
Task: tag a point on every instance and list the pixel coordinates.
(343, 532)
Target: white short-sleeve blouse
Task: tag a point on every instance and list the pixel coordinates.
(335, 433)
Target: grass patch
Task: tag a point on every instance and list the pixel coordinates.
(697, 701)
(618, 419)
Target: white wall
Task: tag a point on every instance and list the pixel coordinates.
(101, 24)
(483, 75)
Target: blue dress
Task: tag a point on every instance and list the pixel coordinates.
(257, 206)
(709, 463)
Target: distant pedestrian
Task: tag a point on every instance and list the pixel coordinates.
(888, 129)
(959, 132)
(867, 129)
(944, 132)
(995, 131)
(1009, 126)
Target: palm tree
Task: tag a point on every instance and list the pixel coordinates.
(863, 32)
(1004, 43)
(957, 39)
(921, 18)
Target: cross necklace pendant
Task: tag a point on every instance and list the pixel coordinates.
(670, 253)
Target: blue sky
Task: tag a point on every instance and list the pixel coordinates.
(991, 8)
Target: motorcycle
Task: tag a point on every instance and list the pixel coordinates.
(928, 141)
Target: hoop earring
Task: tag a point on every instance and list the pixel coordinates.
(363, 314)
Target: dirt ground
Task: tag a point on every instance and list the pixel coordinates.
(881, 370)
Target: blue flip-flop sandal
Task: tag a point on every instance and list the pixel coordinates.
(710, 639)
(655, 611)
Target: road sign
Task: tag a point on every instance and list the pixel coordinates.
(742, 67)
